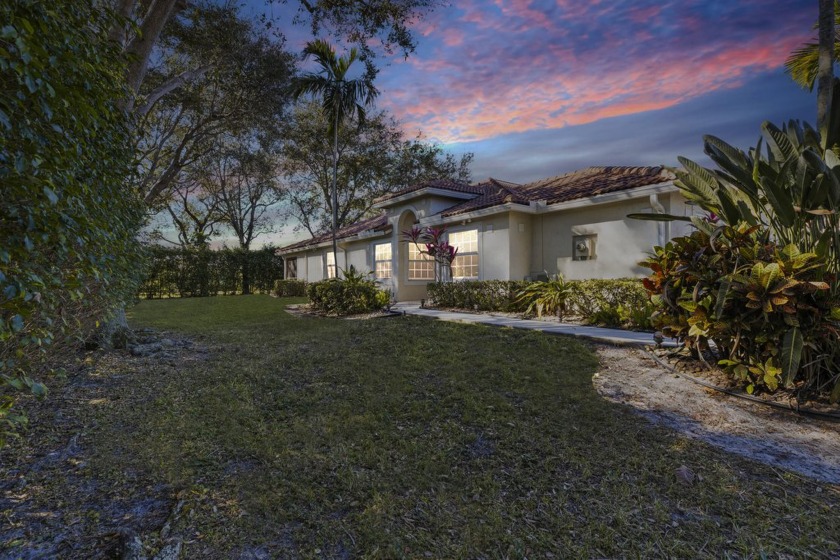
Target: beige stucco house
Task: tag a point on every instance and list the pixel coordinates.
(574, 224)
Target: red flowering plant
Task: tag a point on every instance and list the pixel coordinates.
(436, 247)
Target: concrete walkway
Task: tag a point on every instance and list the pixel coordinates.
(612, 336)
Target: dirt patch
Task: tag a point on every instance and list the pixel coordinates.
(55, 504)
(775, 437)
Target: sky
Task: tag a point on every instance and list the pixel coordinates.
(536, 88)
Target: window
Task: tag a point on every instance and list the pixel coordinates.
(382, 257)
(291, 268)
(330, 265)
(420, 266)
(466, 263)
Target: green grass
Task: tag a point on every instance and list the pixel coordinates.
(410, 438)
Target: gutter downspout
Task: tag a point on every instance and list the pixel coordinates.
(663, 232)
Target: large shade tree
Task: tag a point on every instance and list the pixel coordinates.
(375, 159)
(342, 99)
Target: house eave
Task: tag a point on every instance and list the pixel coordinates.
(540, 207)
(427, 191)
(365, 235)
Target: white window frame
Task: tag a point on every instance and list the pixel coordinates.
(424, 263)
(462, 253)
(383, 267)
(329, 267)
(289, 261)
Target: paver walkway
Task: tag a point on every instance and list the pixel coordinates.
(613, 336)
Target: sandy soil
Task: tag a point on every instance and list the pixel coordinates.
(779, 438)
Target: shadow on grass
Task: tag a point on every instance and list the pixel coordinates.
(405, 438)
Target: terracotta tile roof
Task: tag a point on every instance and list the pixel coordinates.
(379, 223)
(446, 184)
(584, 183)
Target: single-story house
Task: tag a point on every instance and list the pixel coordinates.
(574, 224)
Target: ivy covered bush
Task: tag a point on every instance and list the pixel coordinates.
(201, 272)
(353, 294)
(290, 288)
(68, 249)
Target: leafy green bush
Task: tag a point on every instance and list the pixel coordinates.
(621, 302)
(201, 272)
(68, 249)
(590, 298)
(290, 288)
(547, 297)
(772, 318)
(353, 294)
(481, 295)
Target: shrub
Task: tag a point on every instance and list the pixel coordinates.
(481, 295)
(355, 293)
(591, 298)
(548, 297)
(766, 308)
(290, 288)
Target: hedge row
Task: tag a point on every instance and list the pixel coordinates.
(290, 288)
(202, 272)
(609, 302)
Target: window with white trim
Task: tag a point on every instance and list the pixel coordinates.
(420, 265)
(466, 263)
(291, 268)
(382, 259)
(330, 265)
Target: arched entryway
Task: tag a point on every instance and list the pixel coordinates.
(407, 290)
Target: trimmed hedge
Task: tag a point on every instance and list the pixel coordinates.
(478, 295)
(589, 297)
(202, 272)
(619, 302)
(290, 288)
(338, 296)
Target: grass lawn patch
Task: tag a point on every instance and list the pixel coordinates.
(412, 438)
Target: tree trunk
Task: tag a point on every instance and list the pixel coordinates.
(246, 273)
(335, 193)
(825, 75)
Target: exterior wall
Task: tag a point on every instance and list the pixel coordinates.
(520, 233)
(315, 265)
(516, 245)
(621, 242)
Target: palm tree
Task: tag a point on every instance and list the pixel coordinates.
(342, 99)
(813, 63)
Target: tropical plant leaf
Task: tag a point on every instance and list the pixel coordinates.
(658, 217)
(791, 354)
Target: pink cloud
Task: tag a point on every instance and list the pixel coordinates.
(511, 67)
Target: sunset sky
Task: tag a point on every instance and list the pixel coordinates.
(536, 88)
(539, 87)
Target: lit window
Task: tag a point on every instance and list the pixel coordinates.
(382, 256)
(420, 266)
(291, 268)
(466, 263)
(330, 265)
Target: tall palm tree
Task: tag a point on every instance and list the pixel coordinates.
(342, 100)
(813, 64)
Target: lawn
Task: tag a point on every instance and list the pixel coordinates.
(409, 438)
